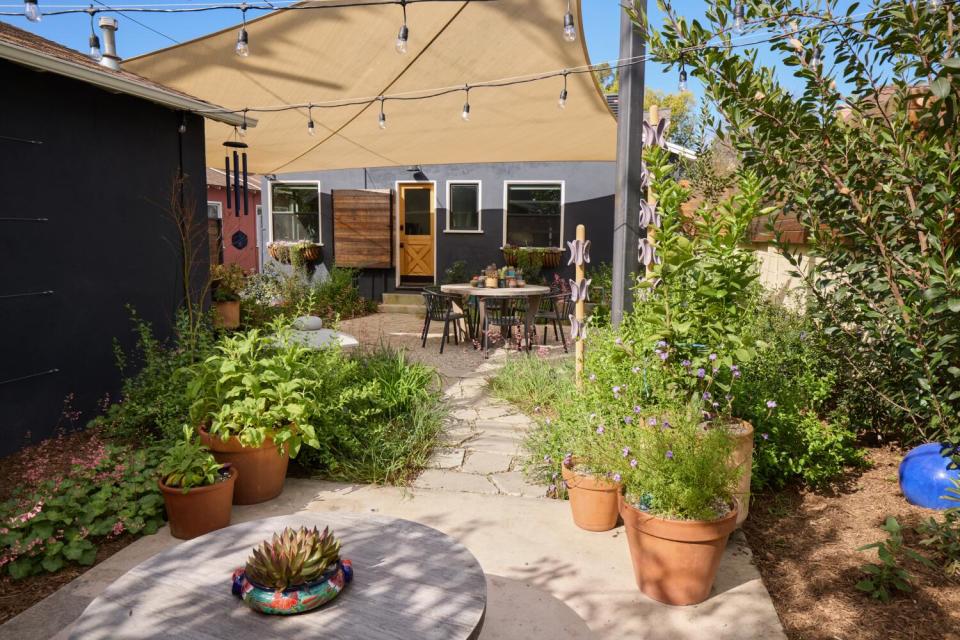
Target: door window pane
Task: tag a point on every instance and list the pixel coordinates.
(464, 207)
(533, 215)
(416, 212)
(295, 209)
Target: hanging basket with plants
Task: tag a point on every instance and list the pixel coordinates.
(284, 252)
(548, 257)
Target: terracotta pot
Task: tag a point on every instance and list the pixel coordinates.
(743, 457)
(593, 501)
(228, 314)
(675, 561)
(201, 509)
(262, 469)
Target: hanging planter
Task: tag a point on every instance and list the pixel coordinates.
(549, 257)
(283, 251)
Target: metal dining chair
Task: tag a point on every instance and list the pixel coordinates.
(506, 313)
(439, 307)
(553, 309)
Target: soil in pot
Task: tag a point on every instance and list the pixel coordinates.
(201, 509)
(675, 561)
(228, 314)
(593, 501)
(262, 470)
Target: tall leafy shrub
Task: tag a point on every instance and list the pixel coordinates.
(866, 154)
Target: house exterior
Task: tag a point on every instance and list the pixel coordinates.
(234, 237)
(88, 160)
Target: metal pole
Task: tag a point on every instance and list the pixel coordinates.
(626, 232)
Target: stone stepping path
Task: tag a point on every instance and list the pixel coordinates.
(483, 445)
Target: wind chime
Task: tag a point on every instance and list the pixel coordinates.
(239, 163)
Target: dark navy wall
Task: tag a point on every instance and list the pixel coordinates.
(102, 177)
(588, 200)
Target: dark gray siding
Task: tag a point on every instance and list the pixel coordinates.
(588, 193)
(102, 176)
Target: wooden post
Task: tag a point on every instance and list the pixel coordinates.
(651, 197)
(580, 309)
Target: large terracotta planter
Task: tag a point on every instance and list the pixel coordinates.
(675, 561)
(593, 501)
(201, 509)
(228, 314)
(262, 469)
(743, 458)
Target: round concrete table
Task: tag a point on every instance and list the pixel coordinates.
(532, 292)
(410, 581)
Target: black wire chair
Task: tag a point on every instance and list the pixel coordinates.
(439, 307)
(553, 310)
(505, 313)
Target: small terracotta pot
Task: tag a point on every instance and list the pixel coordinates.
(201, 509)
(228, 314)
(593, 501)
(262, 469)
(675, 561)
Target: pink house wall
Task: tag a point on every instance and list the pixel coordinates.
(247, 257)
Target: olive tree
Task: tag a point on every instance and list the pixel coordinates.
(865, 154)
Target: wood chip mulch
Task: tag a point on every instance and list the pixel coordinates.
(805, 545)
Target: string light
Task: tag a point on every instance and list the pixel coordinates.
(562, 102)
(816, 57)
(243, 40)
(95, 51)
(311, 130)
(382, 121)
(31, 10)
(738, 17)
(682, 84)
(934, 5)
(569, 30)
(404, 33)
(465, 114)
(243, 125)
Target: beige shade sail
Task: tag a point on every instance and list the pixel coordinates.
(338, 54)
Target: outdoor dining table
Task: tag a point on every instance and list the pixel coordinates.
(533, 294)
(409, 581)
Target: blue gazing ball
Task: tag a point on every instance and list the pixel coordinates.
(925, 478)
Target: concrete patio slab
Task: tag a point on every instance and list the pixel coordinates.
(545, 577)
(484, 463)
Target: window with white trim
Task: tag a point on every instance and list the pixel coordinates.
(534, 214)
(295, 211)
(463, 207)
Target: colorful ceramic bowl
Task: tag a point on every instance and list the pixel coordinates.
(298, 599)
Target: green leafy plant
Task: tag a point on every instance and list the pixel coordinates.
(293, 557)
(274, 292)
(888, 576)
(227, 281)
(863, 155)
(456, 272)
(111, 492)
(187, 464)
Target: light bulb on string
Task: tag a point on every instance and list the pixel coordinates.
(682, 82)
(739, 22)
(243, 125)
(96, 53)
(243, 40)
(934, 5)
(569, 28)
(382, 120)
(404, 33)
(31, 10)
(816, 57)
(465, 114)
(311, 130)
(562, 102)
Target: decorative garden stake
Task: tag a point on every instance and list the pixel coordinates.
(579, 252)
(649, 218)
(579, 256)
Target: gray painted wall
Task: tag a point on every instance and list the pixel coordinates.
(588, 200)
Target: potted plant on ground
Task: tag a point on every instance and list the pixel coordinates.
(227, 281)
(591, 490)
(197, 490)
(256, 400)
(295, 572)
(678, 504)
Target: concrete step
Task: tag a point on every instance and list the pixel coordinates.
(409, 309)
(403, 298)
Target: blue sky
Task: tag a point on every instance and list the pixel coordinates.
(601, 22)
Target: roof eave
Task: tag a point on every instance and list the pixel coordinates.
(111, 82)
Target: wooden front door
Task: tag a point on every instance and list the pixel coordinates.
(416, 230)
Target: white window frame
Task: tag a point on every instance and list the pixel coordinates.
(563, 205)
(479, 228)
(270, 186)
(219, 207)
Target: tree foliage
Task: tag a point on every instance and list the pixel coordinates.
(865, 155)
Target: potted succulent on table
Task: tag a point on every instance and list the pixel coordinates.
(678, 504)
(226, 281)
(255, 400)
(295, 572)
(197, 490)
